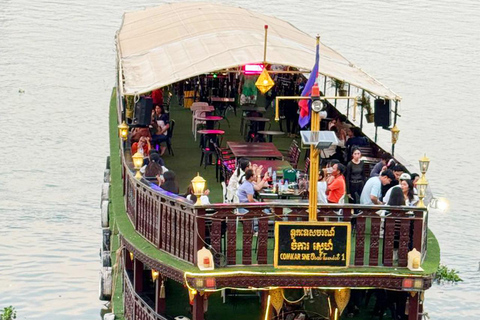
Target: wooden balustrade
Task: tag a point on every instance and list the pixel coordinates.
(134, 306)
(179, 228)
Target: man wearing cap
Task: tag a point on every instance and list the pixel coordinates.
(372, 191)
(403, 176)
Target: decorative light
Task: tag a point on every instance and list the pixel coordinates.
(264, 82)
(267, 307)
(424, 162)
(137, 163)
(440, 203)
(131, 256)
(255, 68)
(422, 184)
(123, 131)
(198, 184)
(395, 133)
(155, 274)
(317, 105)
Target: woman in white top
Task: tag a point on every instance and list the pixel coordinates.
(321, 187)
(411, 199)
(237, 178)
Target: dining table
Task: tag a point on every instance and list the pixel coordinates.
(264, 150)
(271, 133)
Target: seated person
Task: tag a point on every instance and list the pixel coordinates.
(160, 124)
(169, 182)
(139, 132)
(155, 167)
(143, 147)
(246, 190)
(238, 177)
(190, 195)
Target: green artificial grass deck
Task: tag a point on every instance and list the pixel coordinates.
(185, 163)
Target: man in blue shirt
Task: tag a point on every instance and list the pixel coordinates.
(246, 191)
(372, 191)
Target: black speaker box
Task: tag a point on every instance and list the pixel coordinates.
(382, 113)
(142, 115)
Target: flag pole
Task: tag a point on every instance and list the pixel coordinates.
(314, 160)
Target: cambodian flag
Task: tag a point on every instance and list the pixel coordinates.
(304, 105)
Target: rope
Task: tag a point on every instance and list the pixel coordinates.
(118, 257)
(296, 301)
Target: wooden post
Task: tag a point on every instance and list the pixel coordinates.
(200, 237)
(198, 311)
(413, 304)
(137, 275)
(128, 261)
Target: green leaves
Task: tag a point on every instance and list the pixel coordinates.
(8, 313)
(444, 274)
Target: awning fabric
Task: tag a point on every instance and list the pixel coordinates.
(172, 42)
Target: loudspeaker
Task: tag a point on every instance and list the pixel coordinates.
(142, 115)
(382, 113)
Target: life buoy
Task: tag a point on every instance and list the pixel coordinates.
(106, 239)
(105, 287)
(105, 205)
(106, 258)
(109, 316)
(105, 189)
(106, 176)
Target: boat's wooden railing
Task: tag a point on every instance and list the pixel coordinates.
(179, 228)
(134, 306)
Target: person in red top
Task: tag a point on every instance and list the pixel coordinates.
(336, 188)
(142, 146)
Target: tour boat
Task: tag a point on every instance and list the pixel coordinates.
(166, 257)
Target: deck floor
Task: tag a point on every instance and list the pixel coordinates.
(186, 162)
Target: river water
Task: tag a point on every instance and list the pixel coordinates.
(57, 68)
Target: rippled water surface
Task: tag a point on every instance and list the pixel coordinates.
(56, 73)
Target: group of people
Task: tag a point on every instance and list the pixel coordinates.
(246, 179)
(388, 183)
(147, 141)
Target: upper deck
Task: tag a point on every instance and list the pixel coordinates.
(165, 231)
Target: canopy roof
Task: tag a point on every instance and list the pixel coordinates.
(172, 42)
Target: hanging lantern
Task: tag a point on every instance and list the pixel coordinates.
(264, 82)
(395, 133)
(276, 299)
(131, 256)
(342, 296)
(424, 162)
(123, 131)
(198, 184)
(155, 274)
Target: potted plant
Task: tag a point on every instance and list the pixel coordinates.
(364, 101)
(340, 86)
